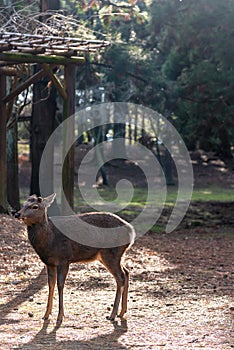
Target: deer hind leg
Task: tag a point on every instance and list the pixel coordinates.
(125, 293)
(118, 296)
(52, 274)
(121, 278)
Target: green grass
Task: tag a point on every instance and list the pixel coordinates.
(109, 194)
(211, 193)
(157, 229)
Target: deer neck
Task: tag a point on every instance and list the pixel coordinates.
(38, 233)
(42, 239)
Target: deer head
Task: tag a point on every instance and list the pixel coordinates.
(34, 210)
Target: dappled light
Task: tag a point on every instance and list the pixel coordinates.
(181, 293)
(116, 122)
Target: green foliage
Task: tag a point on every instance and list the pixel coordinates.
(174, 56)
(195, 46)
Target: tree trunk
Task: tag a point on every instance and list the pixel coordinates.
(168, 166)
(119, 134)
(225, 146)
(43, 116)
(46, 5)
(12, 168)
(68, 165)
(98, 139)
(3, 163)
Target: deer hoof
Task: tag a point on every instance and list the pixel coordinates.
(45, 317)
(59, 322)
(110, 318)
(60, 319)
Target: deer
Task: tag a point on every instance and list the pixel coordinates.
(57, 251)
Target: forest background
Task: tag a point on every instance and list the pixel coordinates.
(175, 57)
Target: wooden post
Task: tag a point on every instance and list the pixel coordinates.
(3, 161)
(68, 111)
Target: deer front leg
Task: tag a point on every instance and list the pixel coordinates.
(52, 274)
(62, 271)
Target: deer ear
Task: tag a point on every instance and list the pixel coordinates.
(47, 201)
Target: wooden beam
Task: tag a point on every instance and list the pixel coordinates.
(37, 38)
(6, 64)
(9, 71)
(5, 47)
(31, 50)
(3, 160)
(33, 79)
(24, 85)
(57, 83)
(28, 58)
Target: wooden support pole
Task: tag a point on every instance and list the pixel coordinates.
(55, 80)
(3, 161)
(68, 111)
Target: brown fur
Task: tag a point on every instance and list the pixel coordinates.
(58, 251)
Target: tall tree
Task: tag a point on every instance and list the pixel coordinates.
(174, 56)
(43, 115)
(12, 165)
(194, 44)
(3, 163)
(42, 126)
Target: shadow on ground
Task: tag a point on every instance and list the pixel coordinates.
(104, 341)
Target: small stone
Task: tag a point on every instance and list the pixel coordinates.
(15, 282)
(30, 314)
(30, 298)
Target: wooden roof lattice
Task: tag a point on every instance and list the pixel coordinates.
(54, 50)
(50, 51)
(45, 46)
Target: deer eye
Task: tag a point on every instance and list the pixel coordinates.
(35, 206)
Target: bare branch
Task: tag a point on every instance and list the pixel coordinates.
(55, 23)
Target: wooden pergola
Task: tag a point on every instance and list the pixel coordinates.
(48, 52)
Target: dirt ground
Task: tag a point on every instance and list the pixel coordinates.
(181, 290)
(181, 295)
